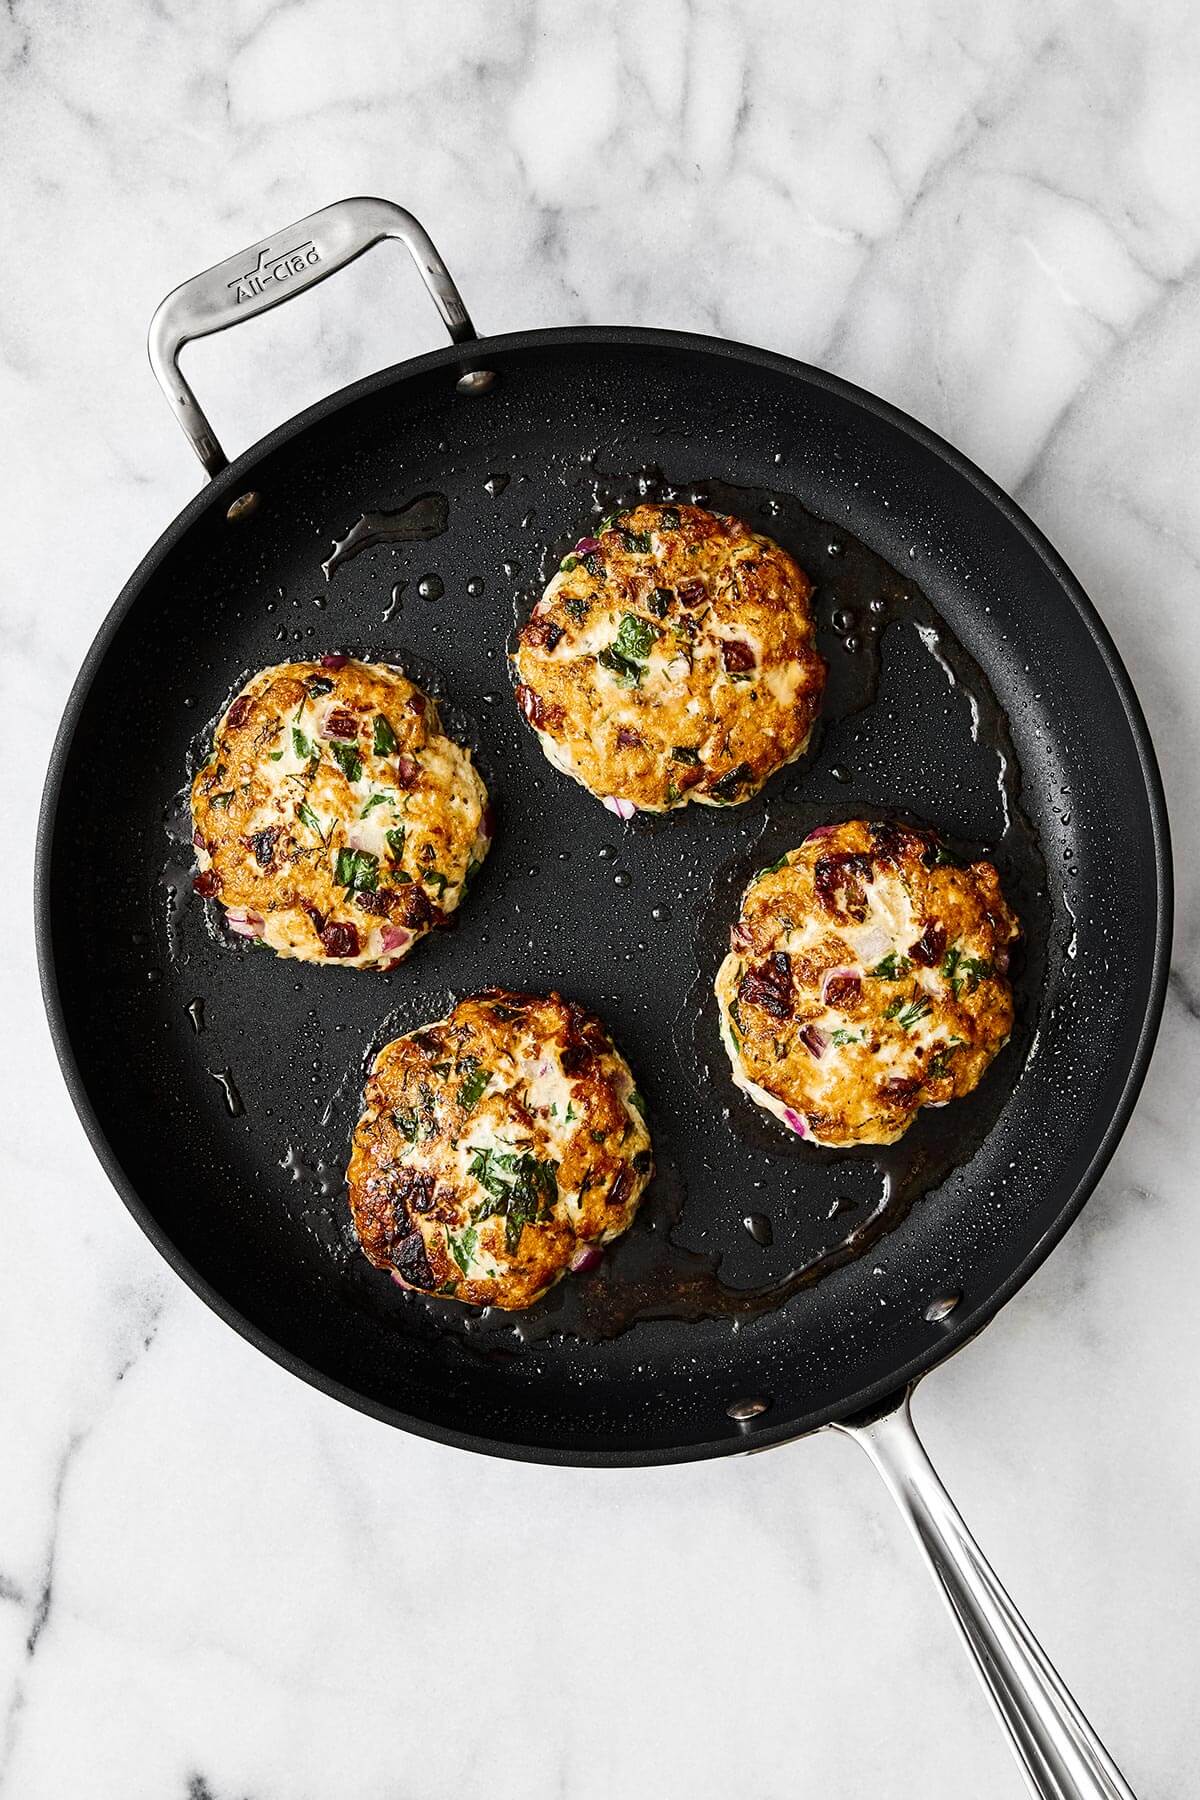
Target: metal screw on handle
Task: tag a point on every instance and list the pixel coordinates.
(1060, 1755)
(276, 269)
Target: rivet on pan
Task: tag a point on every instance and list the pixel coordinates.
(742, 1411)
(941, 1308)
(242, 507)
(475, 381)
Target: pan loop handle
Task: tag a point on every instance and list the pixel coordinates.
(276, 269)
(1060, 1755)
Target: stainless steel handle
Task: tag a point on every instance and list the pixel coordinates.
(271, 272)
(1060, 1755)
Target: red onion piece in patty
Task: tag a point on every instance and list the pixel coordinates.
(814, 1041)
(820, 831)
(624, 809)
(334, 662)
(396, 937)
(586, 1257)
(586, 545)
(244, 922)
(795, 1122)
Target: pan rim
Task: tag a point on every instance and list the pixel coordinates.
(736, 1440)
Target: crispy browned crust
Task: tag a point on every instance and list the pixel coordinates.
(273, 806)
(413, 1196)
(730, 681)
(917, 1022)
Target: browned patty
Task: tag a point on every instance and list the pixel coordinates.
(498, 1148)
(334, 820)
(672, 658)
(867, 977)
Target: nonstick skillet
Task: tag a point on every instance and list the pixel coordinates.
(972, 686)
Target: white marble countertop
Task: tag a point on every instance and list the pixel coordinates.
(210, 1583)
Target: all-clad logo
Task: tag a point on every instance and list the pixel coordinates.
(280, 266)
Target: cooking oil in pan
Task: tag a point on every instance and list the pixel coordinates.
(418, 520)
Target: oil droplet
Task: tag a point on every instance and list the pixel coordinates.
(835, 549)
(852, 646)
(770, 508)
(841, 1203)
(840, 774)
(844, 620)
(941, 1308)
(195, 1012)
(759, 1227)
(660, 913)
(416, 522)
(395, 604)
(475, 587)
(622, 878)
(496, 484)
(431, 587)
(605, 853)
(233, 1100)
(878, 605)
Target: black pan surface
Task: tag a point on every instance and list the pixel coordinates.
(972, 686)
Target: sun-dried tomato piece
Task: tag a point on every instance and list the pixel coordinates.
(770, 985)
(930, 947)
(737, 655)
(843, 991)
(340, 938)
(542, 632)
(839, 881)
(207, 883)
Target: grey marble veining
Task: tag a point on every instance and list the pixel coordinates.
(216, 1584)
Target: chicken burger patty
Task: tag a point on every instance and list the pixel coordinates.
(498, 1148)
(334, 820)
(867, 977)
(672, 658)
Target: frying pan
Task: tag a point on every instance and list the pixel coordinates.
(972, 686)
